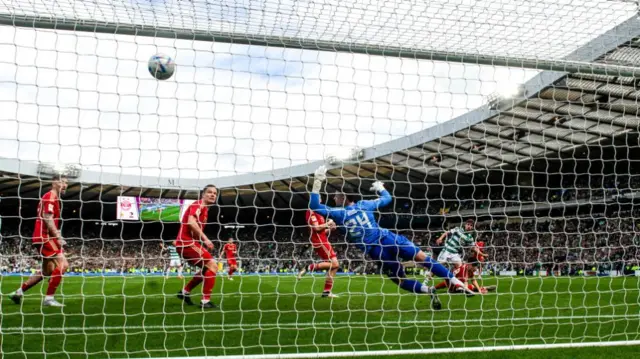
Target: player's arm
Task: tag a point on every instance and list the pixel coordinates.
(477, 286)
(194, 226)
(314, 199)
(477, 251)
(316, 226)
(384, 197)
(441, 238)
(49, 222)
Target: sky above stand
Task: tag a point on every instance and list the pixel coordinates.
(88, 98)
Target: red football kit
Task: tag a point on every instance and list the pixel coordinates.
(47, 246)
(319, 240)
(187, 246)
(230, 250)
(464, 273)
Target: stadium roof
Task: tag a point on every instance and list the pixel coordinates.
(558, 113)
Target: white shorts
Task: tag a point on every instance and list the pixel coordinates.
(446, 257)
(175, 263)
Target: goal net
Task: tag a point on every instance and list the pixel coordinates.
(520, 116)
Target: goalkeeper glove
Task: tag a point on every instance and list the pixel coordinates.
(377, 186)
(319, 176)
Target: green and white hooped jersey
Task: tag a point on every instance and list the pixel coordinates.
(173, 253)
(456, 240)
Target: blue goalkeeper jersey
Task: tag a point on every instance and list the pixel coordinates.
(356, 220)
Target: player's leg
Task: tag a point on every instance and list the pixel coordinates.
(442, 257)
(328, 283)
(439, 270)
(167, 269)
(180, 268)
(192, 255)
(209, 271)
(409, 251)
(55, 278)
(395, 272)
(47, 267)
(232, 268)
(325, 264)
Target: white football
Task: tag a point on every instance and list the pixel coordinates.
(161, 66)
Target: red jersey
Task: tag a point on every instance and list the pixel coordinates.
(49, 204)
(230, 250)
(317, 238)
(185, 236)
(480, 246)
(464, 273)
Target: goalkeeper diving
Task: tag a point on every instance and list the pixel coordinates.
(381, 245)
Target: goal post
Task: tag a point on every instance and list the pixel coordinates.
(521, 116)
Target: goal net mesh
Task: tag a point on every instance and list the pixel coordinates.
(547, 170)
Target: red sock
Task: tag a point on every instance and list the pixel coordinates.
(194, 282)
(231, 271)
(471, 287)
(442, 284)
(209, 282)
(328, 285)
(312, 266)
(26, 285)
(54, 281)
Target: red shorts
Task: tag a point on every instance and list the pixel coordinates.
(232, 262)
(194, 254)
(324, 251)
(49, 249)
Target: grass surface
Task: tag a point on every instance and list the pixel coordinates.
(168, 214)
(140, 317)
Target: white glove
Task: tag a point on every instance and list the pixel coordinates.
(321, 173)
(377, 186)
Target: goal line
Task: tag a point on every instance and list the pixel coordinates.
(402, 352)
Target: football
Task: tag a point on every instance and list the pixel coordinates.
(161, 66)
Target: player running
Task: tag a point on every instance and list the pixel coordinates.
(320, 229)
(190, 250)
(174, 260)
(466, 273)
(231, 251)
(380, 244)
(48, 240)
(456, 240)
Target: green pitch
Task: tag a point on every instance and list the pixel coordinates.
(168, 214)
(140, 317)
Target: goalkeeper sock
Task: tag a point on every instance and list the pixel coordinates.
(54, 281)
(414, 286)
(438, 269)
(194, 282)
(207, 287)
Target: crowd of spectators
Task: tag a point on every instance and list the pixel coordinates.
(583, 188)
(558, 245)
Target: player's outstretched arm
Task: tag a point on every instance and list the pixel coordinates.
(314, 200)
(383, 200)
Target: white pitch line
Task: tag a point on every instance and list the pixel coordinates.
(397, 352)
(307, 325)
